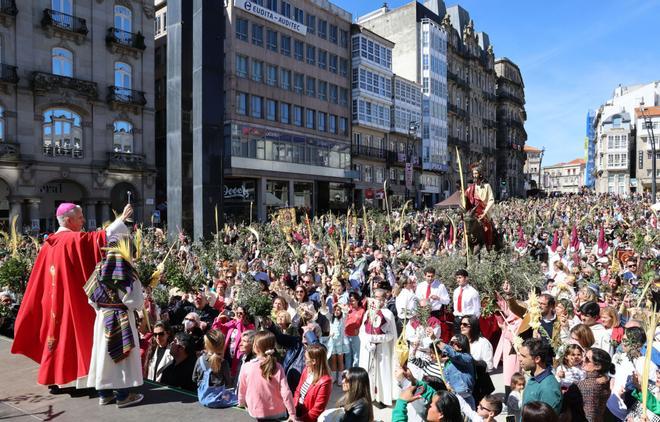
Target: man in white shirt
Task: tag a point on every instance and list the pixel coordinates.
(466, 300)
(406, 301)
(589, 313)
(433, 292)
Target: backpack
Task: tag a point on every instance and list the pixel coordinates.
(214, 397)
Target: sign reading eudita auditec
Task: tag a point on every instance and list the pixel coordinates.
(262, 12)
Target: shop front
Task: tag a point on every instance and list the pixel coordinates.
(239, 200)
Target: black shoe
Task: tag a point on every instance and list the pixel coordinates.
(54, 389)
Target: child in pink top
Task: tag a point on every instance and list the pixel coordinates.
(263, 388)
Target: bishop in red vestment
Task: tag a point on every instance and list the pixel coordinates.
(55, 322)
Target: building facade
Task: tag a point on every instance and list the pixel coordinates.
(532, 167)
(590, 151)
(511, 134)
(472, 100)
(564, 177)
(372, 101)
(617, 129)
(77, 119)
(648, 128)
(420, 55)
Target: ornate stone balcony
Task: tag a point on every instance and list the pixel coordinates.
(8, 8)
(8, 74)
(47, 82)
(125, 161)
(124, 96)
(54, 19)
(367, 152)
(9, 151)
(60, 151)
(118, 39)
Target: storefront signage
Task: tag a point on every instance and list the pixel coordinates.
(237, 192)
(409, 175)
(269, 15)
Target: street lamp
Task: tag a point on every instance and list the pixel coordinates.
(649, 128)
(540, 162)
(413, 126)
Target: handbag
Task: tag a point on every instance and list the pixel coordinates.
(401, 349)
(214, 397)
(332, 415)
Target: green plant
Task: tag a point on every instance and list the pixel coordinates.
(251, 296)
(14, 274)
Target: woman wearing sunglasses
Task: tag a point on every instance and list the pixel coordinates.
(158, 355)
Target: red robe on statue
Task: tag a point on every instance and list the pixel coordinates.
(55, 323)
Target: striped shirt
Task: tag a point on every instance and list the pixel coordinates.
(429, 368)
(305, 387)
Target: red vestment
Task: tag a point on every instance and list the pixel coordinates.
(472, 201)
(55, 323)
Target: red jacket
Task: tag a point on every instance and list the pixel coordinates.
(317, 398)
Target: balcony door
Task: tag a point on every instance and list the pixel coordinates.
(123, 80)
(123, 24)
(63, 13)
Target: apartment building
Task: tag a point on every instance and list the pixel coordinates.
(564, 177)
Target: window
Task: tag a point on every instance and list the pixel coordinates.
(311, 54)
(334, 94)
(63, 6)
(62, 62)
(257, 70)
(297, 116)
(256, 106)
(323, 59)
(323, 90)
(333, 34)
(343, 126)
(242, 29)
(285, 45)
(310, 118)
(123, 79)
(285, 9)
(343, 96)
(333, 63)
(298, 83)
(62, 133)
(272, 5)
(343, 67)
(298, 48)
(271, 75)
(285, 79)
(123, 19)
(322, 121)
(122, 137)
(311, 86)
(271, 110)
(271, 40)
(2, 125)
(332, 123)
(241, 103)
(241, 66)
(258, 35)
(323, 28)
(298, 15)
(285, 109)
(343, 38)
(311, 24)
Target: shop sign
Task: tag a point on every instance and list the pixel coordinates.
(409, 175)
(269, 15)
(380, 194)
(369, 194)
(237, 192)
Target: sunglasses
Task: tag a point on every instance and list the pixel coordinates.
(485, 408)
(161, 334)
(464, 324)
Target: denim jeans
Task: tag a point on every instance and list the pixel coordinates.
(353, 355)
(120, 394)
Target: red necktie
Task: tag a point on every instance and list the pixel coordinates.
(459, 301)
(428, 290)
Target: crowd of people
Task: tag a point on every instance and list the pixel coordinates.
(348, 310)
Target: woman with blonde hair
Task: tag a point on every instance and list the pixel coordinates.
(315, 385)
(262, 385)
(610, 320)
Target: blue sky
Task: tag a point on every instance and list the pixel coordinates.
(572, 55)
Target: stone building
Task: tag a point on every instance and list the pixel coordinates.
(511, 134)
(532, 167)
(472, 100)
(643, 162)
(618, 131)
(564, 177)
(76, 99)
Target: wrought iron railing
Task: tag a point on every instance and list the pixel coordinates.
(63, 21)
(8, 73)
(8, 7)
(121, 95)
(125, 38)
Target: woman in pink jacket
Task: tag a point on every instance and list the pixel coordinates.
(263, 388)
(233, 331)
